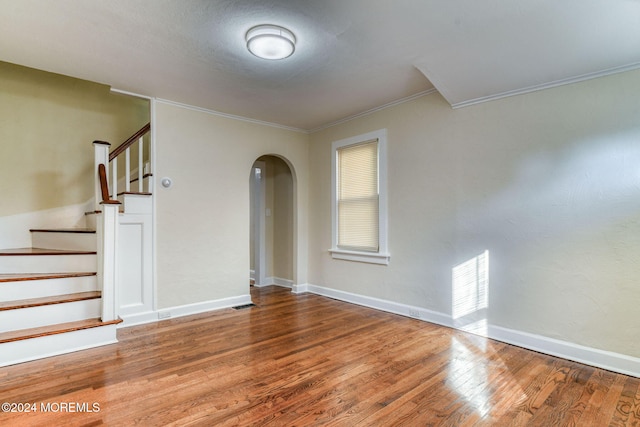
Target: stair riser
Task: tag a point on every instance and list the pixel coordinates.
(25, 264)
(52, 345)
(66, 241)
(12, 291)
(91, 221)
(34, 317)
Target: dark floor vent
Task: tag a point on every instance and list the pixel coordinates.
(240, 307)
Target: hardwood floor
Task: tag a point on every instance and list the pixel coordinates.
(307, 360)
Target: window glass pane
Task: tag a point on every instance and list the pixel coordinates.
(357, 196)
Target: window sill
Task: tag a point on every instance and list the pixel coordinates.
(368, 257)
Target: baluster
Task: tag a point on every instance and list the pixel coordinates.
(127, 170)
(114, 178)
(140, 169)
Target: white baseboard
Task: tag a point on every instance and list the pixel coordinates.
(300, 289)
(201, 307)
(608, 360)
(278, 281)
(138, 319)
(182, 310)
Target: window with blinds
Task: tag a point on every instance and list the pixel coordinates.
(358, 197)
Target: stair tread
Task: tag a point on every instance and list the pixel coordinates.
(146, 175)
(135, 193)
(40, 251)
(99, 212)
(64, 230)
(59, 328)
(5, 277)
(57, 299)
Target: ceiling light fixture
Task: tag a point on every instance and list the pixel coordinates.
(270, 42)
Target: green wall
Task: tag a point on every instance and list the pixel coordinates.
(47, 125)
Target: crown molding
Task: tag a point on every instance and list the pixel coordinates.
(556, 83)
(375, 110)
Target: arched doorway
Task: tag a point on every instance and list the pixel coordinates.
(272, 222)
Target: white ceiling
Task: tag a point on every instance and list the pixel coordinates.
(351, 56)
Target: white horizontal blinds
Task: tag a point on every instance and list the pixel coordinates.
(357, 196)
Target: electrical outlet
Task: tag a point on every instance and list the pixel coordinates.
(414, 313)
(164, 314)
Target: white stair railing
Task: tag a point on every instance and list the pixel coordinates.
(129, 172)
(107, 222)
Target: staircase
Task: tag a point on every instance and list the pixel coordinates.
(61, 294)
(50, 298)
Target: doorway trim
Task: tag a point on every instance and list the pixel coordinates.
(259, 223)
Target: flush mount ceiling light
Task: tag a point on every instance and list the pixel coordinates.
(271, 42)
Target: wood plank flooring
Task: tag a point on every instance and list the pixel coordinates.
(306, 360)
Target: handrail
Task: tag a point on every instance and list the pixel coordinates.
(104, 186)
(129, 142)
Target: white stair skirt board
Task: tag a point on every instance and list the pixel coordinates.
(64, 240)
(25, 264)
(52, 345)
(608, 360)
(12, 291)
(44, 315)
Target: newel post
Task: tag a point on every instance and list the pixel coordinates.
(107, 258)
(101, 156)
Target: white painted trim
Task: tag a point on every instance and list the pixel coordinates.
(152, 188)
(384, 305)
(202, 307)
(374, 110)
(369, 257)
(183, 310)
(549, 85)
(229, 116)
(300, 289)
(136, 95)
(138, 319)
(608, 360)
(277, 125)
(259, 182)
(277, 281)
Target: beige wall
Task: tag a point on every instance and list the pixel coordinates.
(47, 124)
(203, 220)
(281, 205)
(547, 182)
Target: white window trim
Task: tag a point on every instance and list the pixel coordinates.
(382, 256)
